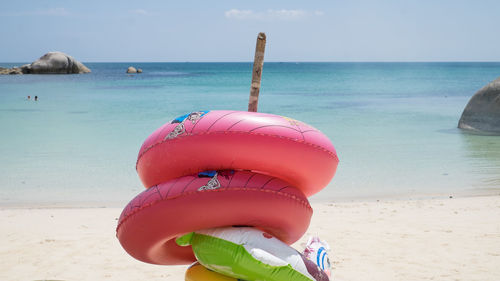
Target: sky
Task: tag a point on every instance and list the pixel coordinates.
(226, 30)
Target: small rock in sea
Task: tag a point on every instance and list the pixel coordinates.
(14, 70)
(131, 69)
(139, 70)
(451, 196)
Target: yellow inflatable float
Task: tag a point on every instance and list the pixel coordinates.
(197, 272)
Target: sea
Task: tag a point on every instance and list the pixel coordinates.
(394, 126)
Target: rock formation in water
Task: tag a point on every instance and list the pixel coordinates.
(50, 63)
(14, 70)
(56, 63)
(131, 69)
(482, 113)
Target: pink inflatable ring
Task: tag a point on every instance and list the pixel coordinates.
(235, 140)
(149, 224)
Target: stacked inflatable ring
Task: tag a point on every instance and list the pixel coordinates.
(227, 176)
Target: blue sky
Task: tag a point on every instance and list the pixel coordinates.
(226, 30)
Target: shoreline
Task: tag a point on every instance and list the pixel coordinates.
(440, 239)
(69, 204)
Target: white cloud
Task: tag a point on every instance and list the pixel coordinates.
(50, 12)
(286, 14)
(282, 14)
(139, 12)
(240, 14)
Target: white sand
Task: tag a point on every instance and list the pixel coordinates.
(435, 239)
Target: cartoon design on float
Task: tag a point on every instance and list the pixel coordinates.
(213, 183)
(180, 128)
(317, 251)
(291, 121)
(297, 123)
(294, 122)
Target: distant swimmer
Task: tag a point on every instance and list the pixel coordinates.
(36, 98)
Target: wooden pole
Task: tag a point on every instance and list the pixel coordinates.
(258, 63)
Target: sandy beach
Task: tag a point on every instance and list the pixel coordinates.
(427, 239)
(385, 115)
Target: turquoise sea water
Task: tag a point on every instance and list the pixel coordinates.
(393, 124)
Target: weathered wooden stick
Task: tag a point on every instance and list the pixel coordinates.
(258, 63)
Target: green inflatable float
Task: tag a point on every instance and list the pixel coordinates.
(250, 254)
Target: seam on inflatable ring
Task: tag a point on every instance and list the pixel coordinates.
(321, 148)
(302, 202)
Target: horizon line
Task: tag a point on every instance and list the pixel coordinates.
(273, 61)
